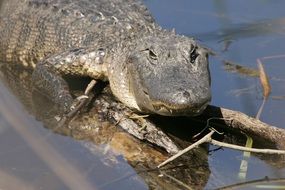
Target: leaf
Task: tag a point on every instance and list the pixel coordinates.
(244, 163)
(264, 80)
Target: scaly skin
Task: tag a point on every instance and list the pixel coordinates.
(149, 69)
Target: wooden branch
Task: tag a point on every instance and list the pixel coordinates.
(150, 133)
(241, 122)
(206, 138)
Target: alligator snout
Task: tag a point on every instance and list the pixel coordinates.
(185, 100)
(182, 103)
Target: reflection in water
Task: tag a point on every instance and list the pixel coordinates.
(248, 30)
(69, 175)
(98, 137)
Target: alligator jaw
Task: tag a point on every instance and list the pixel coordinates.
(183, 111)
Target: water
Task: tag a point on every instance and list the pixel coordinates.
(254, 30)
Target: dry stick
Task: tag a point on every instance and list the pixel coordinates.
(273, 57)
(242, 148)
(208, 139)
(82, 101)
(177, 181)
(260, 108)
(90, 87)
(208, 125)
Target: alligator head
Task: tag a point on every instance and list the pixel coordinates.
(169, 75)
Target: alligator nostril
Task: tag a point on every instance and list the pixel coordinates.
(186, 94)
(183, 97)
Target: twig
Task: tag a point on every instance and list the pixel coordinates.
(79, 105)
(273, 57)
(125, 177)
(207, 126)
(90, 87)
(241, 148)
(82, 100)
(117, 180)
(206, 138)
(177, 181)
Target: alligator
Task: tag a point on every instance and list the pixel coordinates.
(149, 69)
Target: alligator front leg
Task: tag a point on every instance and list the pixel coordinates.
(48, 75)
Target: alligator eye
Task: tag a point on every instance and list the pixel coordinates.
(152, 55)
(101, 52)
(193, 53)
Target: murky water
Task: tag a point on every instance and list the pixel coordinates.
(34, 157)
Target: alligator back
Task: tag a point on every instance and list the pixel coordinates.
(34, 29)
(149, 69)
